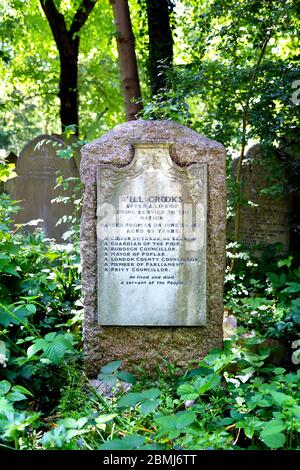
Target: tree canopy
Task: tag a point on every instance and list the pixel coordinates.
(231, 68)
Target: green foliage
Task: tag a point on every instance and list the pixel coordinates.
(6, 171)
(132, 442)
(234, 399)
(39, 301)
(148, 400)
(29, 69)
(263, 293)
(174, 426)
(13, 423)
(234, 69)
(201, 385)
(272, 434)
(170, 104)
(54, 347)
(110, 374)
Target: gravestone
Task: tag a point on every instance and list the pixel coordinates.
(266, 219)
(152, 245)
(36, 169)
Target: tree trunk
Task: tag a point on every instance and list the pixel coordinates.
(160, 43)
(68, 84)
(127, 58)
(67, 42)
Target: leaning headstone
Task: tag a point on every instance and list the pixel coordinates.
(152, 245)
(37, 168)
(264, 218)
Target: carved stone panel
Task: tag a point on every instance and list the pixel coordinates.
(151, 235)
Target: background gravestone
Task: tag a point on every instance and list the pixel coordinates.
(190, 152)
(34, 185)
(266, 221)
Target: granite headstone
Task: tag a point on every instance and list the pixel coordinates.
(152, 245)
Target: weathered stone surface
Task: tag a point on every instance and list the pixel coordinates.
(147, 345)
(266, 219)
(151, 230)
(34, 186)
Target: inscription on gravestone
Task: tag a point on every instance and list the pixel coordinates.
(151, 233)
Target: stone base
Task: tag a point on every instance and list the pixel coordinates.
(148, 347)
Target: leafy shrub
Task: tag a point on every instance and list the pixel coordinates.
(264, 293)
(236, 398)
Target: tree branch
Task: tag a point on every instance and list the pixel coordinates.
(55, 18)
(81, 15)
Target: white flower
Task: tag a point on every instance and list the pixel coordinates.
(3, 360)
(296, 354)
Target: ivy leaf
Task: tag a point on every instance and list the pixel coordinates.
(31, 308)
(15, 396)
(11, 270)
(149, 406)
(293, 288)
(108, 373)
(129, 400)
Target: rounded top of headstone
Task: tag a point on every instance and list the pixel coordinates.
(254, 154)
(151, 131)
(40, 153)
(116, 146)
(41, 139)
